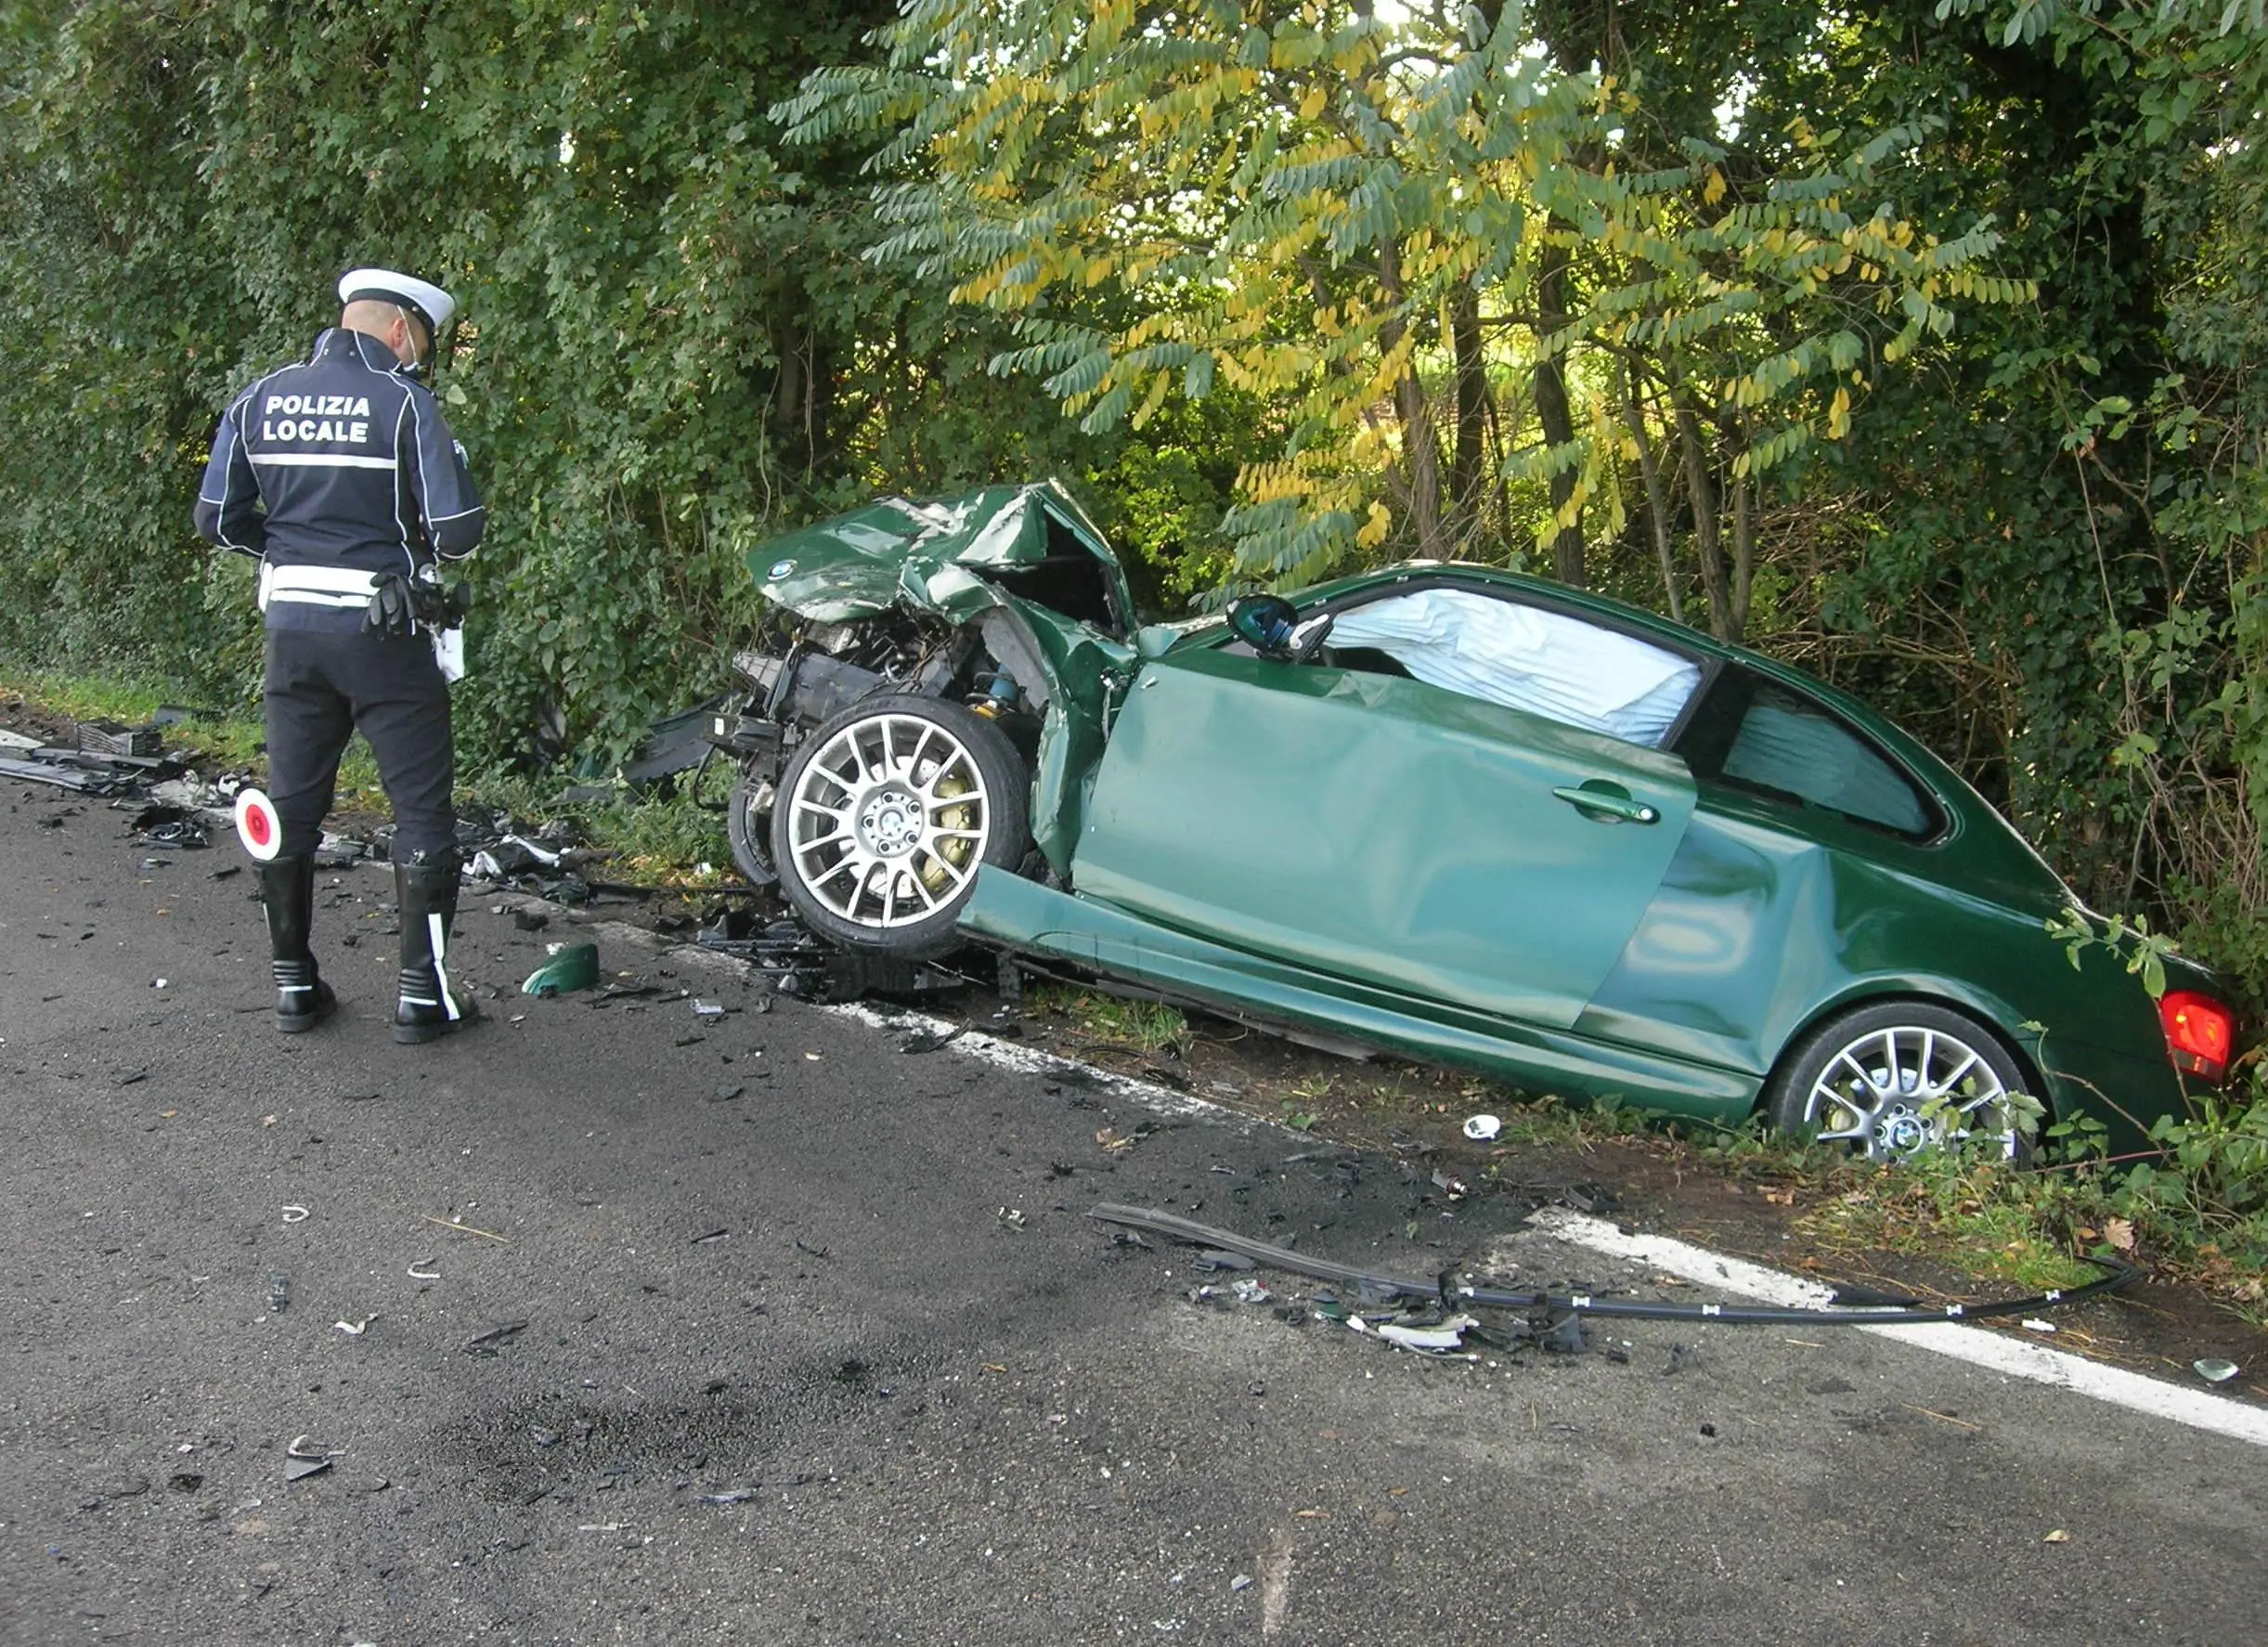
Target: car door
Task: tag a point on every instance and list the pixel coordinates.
(1371, 828)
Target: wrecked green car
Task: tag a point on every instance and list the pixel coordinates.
(1447, 811)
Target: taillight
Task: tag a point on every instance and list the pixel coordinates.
(2198, 1031)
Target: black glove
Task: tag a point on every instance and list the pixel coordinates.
(393, 609)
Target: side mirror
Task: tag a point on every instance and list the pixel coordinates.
(1264, 623)
(1271, 625)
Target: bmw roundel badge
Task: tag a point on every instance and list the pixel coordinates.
(779, 569)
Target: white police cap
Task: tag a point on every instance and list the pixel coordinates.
(421, 298)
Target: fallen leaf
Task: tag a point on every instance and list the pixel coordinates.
(2057, 1536)
(2119, 1233)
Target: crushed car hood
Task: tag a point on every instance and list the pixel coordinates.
(944, 556)
(1025, 563)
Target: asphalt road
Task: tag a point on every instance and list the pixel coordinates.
(772, 1260)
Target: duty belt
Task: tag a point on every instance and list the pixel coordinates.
(338, 588)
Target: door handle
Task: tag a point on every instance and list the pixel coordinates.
(1608, 803)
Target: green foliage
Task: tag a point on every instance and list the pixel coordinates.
(1288, 198)
(1150, 1027)
(672, 345)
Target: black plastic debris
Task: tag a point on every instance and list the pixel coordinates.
(59, 776)
(488, 1342)
(674, 743)
(170, 826)
(1213, 1258)
(1565, 1336)
(797, 963)
(112, 737)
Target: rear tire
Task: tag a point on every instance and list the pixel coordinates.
(885, 815)
(1898, 1079)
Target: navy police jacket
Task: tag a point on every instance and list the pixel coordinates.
(330, 472)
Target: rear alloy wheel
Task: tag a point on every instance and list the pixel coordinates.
(1895, 1080)
(885, 815)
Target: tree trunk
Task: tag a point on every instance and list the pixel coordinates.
(1552, 413)
(1744, 553)
(1701, 490)
(1657, 497)
(1421, 442)
(1467, 482)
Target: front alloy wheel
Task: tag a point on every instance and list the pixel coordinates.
(885, 816)
(1893, 1081)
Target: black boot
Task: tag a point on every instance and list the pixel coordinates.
(287, 889)
(430, 1007)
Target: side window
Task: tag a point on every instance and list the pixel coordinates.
(1788, 746)
(1532, 658)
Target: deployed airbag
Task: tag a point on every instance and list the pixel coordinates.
(1526, 657)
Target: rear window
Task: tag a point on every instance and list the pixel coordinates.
(1786, 747)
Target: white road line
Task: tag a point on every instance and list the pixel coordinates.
(1026, 1060)
(1973, 1344)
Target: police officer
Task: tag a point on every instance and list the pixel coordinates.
(340, 475)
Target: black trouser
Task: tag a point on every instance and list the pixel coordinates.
(324, 688)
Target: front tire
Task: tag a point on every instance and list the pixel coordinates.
(748, 827)
(885, 815)
(1898, 1079)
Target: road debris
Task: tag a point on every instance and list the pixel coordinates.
(1564, 1310)
(295, 1214)
(570, 966)
(2214, 1371)
(172, 826)
(1481, 1128)
(462, 1228)
(1218, 1259)
(1445, 1338)
(355, 1328)
(278, 1293)
(302, 1457)
(423, 1270)
(732, 1496)
(488, 1342)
